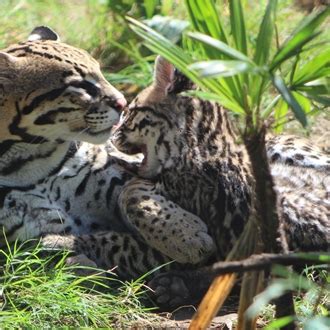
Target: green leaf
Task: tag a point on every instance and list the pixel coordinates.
(290, 99)
(207, 96)
(317, 256)
(167, 26)
(150, 7)
(237, 23)
(262, 50)
(316, 87)
(162, 46)
(304, 33)
(280, 323)
(218, 68)
(315, 68)
(265, 35)
(221, 46)
(205, 18)
(304, 102)
(318, 322)
(324, 100)
(269, 109)
(279, 116)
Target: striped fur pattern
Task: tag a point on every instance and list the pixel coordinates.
(60, 177)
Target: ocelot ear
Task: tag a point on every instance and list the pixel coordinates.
(43, 33)
(6, 60)
(7, 70)
(164, 74)
(170, 79)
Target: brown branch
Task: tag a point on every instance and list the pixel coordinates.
(262, 262)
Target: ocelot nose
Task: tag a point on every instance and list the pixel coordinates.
(120, 103)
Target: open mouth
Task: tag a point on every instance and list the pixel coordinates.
(130, 149)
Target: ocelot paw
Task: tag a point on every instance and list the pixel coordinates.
(58, 242)
(66, 243)
(85, 266)
(171, 290)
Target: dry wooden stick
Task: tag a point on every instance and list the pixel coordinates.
(252, 283)
(221, 286)
(265, 260)
(212, 301)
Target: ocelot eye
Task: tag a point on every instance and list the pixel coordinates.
(88, 86)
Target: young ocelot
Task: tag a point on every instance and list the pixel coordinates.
(191, 153)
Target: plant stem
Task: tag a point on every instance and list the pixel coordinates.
(266, 207)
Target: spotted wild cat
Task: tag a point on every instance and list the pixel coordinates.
(191, 153)
(59, 176)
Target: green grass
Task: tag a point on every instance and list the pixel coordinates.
(45, 292)
(311, 298)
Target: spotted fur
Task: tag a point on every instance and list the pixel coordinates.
(191, 151)
(60, 177)
(190, 147)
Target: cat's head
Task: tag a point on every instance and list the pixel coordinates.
(155, 119)
(53, 91)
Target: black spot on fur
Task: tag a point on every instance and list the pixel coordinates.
(299, 156)
(289, 161)
(77, 221)
(275, 157)
(154, 220)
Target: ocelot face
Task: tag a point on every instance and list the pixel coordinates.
(53, 91)
(154, 120)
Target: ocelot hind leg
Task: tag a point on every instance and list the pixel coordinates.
(164, 225)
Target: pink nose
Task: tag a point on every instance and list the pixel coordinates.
(120, 103)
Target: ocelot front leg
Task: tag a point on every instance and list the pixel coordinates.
(27, 215)
(123, 253)
(165, 226)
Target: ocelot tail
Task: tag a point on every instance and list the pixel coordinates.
(60, 178)
(191, 153)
